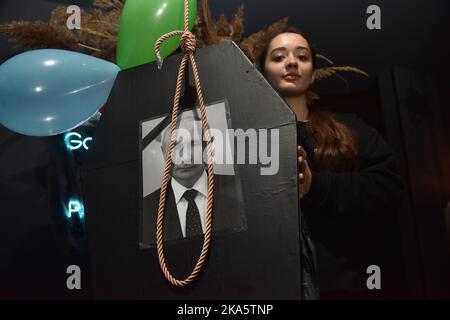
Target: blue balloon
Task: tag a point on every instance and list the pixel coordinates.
(46, 92)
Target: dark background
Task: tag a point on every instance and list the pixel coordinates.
(405, 98)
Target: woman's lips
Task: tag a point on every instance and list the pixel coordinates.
(291, 77)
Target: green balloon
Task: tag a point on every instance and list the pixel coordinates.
(143, 22)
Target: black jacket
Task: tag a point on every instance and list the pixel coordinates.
(353, 219)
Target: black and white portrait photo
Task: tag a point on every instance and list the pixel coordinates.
(186, 199)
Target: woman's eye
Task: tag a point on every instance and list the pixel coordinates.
(303, 57)
(277, 58)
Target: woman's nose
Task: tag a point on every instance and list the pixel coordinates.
(291, 62)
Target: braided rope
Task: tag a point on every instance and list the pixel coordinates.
(188, 46)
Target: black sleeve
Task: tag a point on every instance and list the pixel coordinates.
(376, 186)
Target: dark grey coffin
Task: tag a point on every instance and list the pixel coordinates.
(262, 262)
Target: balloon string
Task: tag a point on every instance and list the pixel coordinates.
(188, 46)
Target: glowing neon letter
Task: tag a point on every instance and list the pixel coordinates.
(70, 143)
(85, 141)
(75, 207)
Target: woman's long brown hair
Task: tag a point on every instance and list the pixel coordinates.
(336, 144)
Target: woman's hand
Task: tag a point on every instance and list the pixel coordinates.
(304, 173)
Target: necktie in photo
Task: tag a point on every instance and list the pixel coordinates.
(193, 222)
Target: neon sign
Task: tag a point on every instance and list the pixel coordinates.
(75, 207)
(75, 141)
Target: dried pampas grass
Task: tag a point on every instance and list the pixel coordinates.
(97, 36)
(100, 25)
(37, 35)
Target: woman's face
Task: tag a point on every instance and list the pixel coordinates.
(288, 64)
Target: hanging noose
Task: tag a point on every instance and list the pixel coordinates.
(188, 46)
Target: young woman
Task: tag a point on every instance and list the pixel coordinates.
(347, 176)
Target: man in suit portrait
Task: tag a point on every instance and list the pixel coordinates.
(186, 200)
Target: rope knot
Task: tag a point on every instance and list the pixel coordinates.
(188, 42)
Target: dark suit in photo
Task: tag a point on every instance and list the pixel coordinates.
(228, 212)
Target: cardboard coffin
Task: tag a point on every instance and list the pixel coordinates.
(256, 255)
